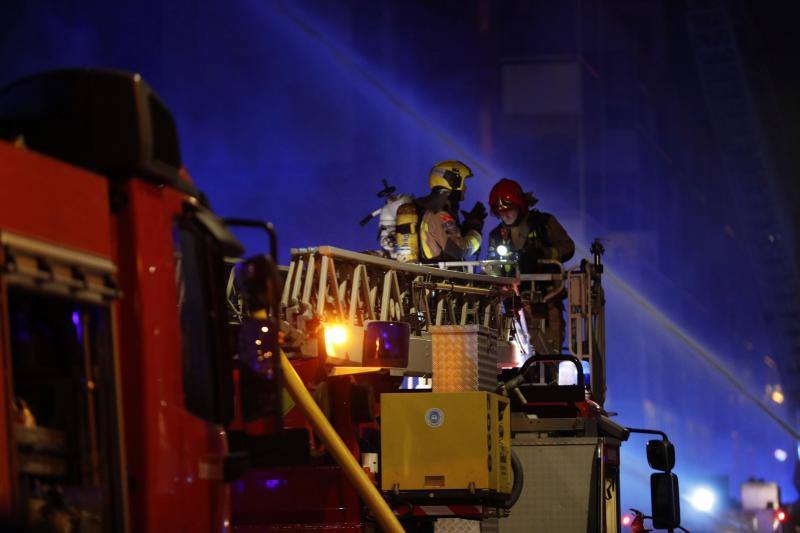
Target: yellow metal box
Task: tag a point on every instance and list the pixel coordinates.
(453, 441)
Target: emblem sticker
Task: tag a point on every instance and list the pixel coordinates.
(434, 417)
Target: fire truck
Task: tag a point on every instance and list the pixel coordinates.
(505, 441)
(154, 380)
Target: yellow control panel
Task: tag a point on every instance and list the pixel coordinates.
(451, 441)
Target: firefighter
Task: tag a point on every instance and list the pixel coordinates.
(442, 236)
(527, 235)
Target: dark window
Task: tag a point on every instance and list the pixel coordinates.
(165, 135)
(204, 322)
(65, 412)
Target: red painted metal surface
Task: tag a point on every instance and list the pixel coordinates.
(50, 201)
(173, 458)
(308, 370)
(301, 498)
(309, 528)
(342, 413)
(306, 498)
(314, 497)
(53, 201)
(7, 477)
(166, 445)
(293, 418)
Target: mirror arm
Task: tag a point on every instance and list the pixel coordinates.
(649, 432)
(266, 226)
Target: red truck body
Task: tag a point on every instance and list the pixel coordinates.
(169, 473)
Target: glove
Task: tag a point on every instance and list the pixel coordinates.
(475, 218)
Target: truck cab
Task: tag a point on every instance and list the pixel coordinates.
(116, 352)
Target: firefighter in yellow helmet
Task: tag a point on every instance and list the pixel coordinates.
(442, 236)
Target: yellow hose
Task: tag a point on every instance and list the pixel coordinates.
(354, 472)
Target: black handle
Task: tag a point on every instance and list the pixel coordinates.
(266, 226)
(516, 381)
(366, 219)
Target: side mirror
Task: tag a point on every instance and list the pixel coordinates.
(665, 500)
(664, 492)
(258, 284)
(258, 348)
(661, 455)
(259, 369)
(386, 344)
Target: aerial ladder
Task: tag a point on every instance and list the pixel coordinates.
(550, 406)
(335, 287)
(328, 285)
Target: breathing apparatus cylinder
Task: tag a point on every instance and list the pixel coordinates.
(387, 217)
(407, 249)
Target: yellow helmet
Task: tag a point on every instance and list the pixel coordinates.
(449, 175)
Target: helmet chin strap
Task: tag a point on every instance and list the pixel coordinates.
(454, 199)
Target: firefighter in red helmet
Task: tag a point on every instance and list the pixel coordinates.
(527, 235)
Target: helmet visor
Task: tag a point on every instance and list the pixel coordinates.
(504, 204)
(454, 179)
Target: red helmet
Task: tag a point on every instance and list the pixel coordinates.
(505, 194)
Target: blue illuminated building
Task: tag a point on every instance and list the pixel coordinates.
(647, 124)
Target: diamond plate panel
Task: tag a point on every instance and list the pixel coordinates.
(464, 358)
(456, 525)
